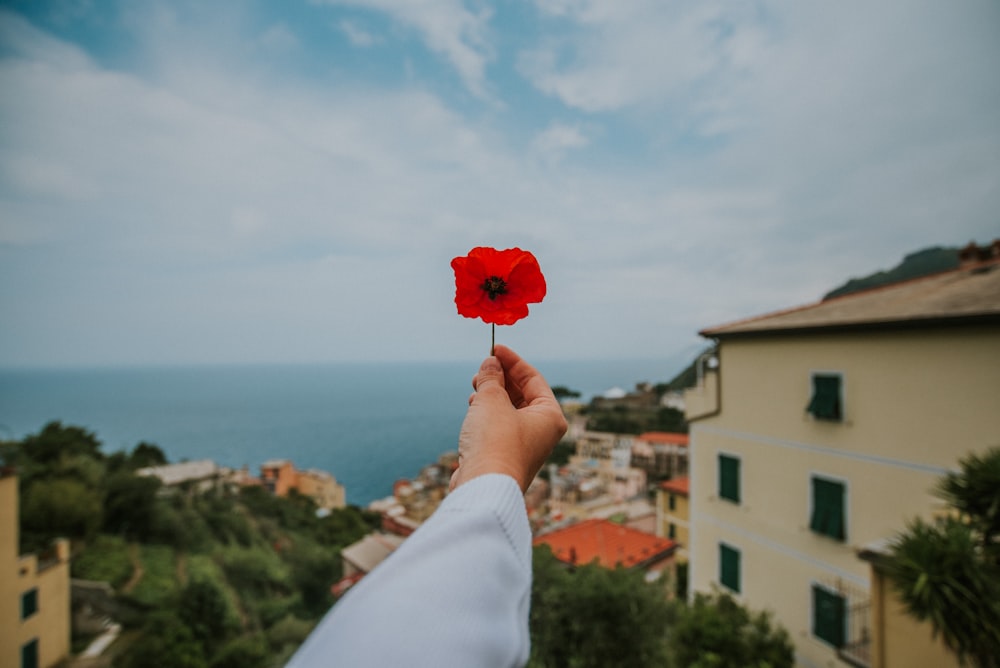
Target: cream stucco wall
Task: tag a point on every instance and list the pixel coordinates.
(914, 403)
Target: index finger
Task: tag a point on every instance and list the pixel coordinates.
(523, 379)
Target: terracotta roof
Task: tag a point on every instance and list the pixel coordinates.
(609, 543)
(666, 437)
(970, 294)
(676, 485)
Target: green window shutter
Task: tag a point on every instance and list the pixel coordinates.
(828, 508)
(729, 567)
(729, 478)
(672, 531)
(825, 403)
(29, 654)
(29, 603)
(829, 616)
(672, 502)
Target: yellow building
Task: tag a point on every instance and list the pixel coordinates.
(34, 593)
(672, 510)
(822, 431)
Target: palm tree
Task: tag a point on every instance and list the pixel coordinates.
(947, 572)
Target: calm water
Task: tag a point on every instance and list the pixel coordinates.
(367, 424)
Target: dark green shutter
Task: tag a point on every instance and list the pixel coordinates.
(828, 616)
(825, 403)
(29, 603)
(827, 508)
(729, 478)
(29, 654)
(672, 502)
(729, 567)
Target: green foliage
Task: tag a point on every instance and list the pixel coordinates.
(243, 652)
(60, 507)
(290, 631)
(563, 392)
(314, 569)
(623, 420)
(948, 572)
(130, 504)
(257, 572)
(146, 454)
(593, 617)
(159, 583)
(344, 526)
(55, 441)
(715, 631)
(205, 609)
(166, 643)
(104, 559)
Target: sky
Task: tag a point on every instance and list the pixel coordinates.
(196, 182)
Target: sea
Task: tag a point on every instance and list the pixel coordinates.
(368, 424)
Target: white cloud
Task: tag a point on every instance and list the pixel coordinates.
(202, 198)
(552, 142)
(448, 28)
(357, 35)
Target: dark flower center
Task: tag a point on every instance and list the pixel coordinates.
(494, 285)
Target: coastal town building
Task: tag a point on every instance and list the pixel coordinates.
(34, 592)
(200, 475)
(611, 545)
(673, 510)
(599, 481)
(661, 454)
(821, 432)
(280, 477)
(413, 501)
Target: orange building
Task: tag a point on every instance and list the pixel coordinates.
(280, 477)
(610, 545)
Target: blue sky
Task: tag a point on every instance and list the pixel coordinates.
(251, 181)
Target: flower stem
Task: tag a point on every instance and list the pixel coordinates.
(493, 339)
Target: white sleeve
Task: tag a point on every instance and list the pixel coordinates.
(456, 593)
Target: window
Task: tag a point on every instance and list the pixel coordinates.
(672, 502)
(729, 567)
(29, 654)
(729, 478)
(828, 620)
(827, 400)
(29, 603)
(672, 531)
(828, 508)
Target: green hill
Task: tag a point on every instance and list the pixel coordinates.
(914, 265)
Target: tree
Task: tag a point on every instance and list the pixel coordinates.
(563, 392)
(166, 643)
(204, 609)
(60, 507)
(130, 504)
(594, 617)
(55, 441)
(947, 572)
(147, 454)
(717, 632)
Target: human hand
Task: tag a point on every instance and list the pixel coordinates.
(512, 424)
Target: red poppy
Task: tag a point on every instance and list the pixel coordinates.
(497, 286)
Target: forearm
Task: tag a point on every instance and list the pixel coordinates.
(456, 593)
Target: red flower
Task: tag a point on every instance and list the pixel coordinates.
(497, 286)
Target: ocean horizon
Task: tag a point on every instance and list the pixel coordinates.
(368, 424)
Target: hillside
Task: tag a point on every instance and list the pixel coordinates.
(920, 263)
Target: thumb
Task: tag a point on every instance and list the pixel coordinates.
(490, 373)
